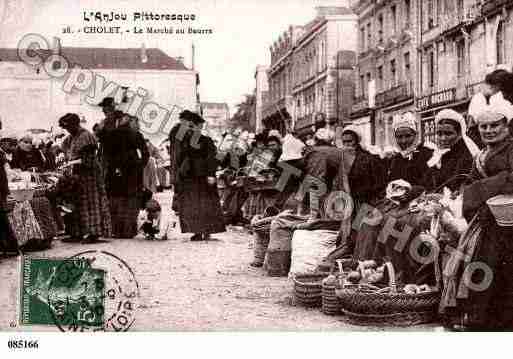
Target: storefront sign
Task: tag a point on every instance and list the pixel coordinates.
(437, 99)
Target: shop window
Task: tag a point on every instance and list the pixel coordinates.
(393, 74)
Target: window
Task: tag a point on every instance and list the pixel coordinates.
(362, 85)
(439, 11)
(407, 12)
(393, 75)
(380, 78)
(380, 28)
(431, 68)
(430, 21)
(394, 19)
(369, 35)
(362, 40)
(460, 53)
(500, 40)
(407, 66)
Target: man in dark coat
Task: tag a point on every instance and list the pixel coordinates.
(124, 156)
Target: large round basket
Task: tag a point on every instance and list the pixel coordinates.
(308, 289)
(363, 304)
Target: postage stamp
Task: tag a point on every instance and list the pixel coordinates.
(90, 291)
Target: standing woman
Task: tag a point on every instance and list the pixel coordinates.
(199, 206)
(455, 152)
(487, 303)
(91, 218)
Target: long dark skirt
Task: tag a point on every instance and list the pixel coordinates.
(8, 241)
(199, 207)
(91, 214)
(124, 211)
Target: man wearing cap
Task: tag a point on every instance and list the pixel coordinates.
(124, 156)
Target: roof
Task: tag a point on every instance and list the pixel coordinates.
(108, 58)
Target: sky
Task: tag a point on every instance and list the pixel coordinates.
(226, 60)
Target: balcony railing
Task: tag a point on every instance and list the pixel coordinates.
(402, 92)
(360, 103)
(474, 88)
(492, 6)
(304, 121)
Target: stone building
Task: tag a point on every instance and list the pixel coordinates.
(424, 56)
(30, 98)
(387, 64)
(261, 93)
(461, 41)
(311, 71)
(216, 117)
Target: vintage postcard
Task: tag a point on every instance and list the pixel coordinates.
(222, 165)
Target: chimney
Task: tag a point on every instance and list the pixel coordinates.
(144, 57)
(56, 50)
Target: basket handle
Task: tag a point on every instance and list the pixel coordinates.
(391, 276)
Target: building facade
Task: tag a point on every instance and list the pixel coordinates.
(424, 56)
(461, 41)
(311, 71)
(387, 58)
(216, 117)
(30, 98)
(261, 93)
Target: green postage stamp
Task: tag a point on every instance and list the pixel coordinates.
(62, 292)
(90, 291)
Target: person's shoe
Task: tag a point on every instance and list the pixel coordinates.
(196, 238)
(89, 239)
(206, 237)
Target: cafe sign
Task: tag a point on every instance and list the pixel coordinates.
(437, 99)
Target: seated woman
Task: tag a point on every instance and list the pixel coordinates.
(26, 156)
(409, 163)
(455, 152)
(483, 302)
(363, 182)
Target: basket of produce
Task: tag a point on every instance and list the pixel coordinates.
(308, 289)
(370, 295)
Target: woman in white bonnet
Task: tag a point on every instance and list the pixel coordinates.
(410, 161)
(485, 242)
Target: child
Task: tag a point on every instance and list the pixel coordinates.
(153, 226)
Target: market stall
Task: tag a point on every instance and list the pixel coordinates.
(32, 212)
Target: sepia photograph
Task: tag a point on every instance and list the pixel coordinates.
(255, 166)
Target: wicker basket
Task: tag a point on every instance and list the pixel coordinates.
(330, 301)
(502, 208)
(261, 229)
(364, 304)
(308, 289)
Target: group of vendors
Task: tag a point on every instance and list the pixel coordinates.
(475, 163)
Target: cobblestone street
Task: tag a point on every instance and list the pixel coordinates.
(193, 286)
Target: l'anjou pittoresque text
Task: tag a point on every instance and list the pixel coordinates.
(100, 16)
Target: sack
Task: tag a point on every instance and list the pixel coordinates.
(309, 248)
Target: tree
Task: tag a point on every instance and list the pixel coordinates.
(244, 117)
